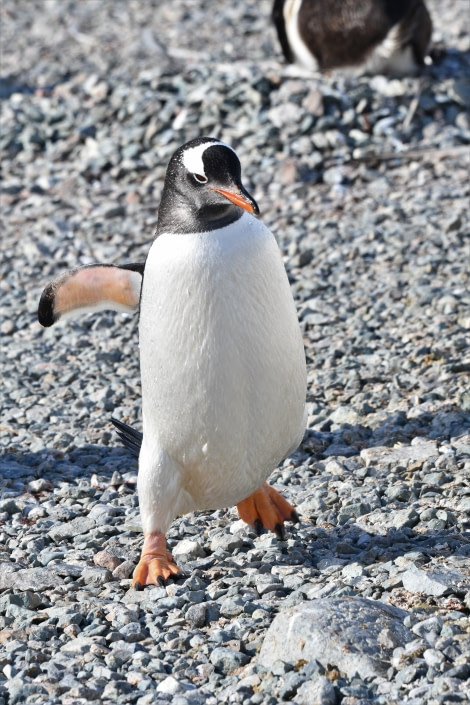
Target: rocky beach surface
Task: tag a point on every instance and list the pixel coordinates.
(365, 183)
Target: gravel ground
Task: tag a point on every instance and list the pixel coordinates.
(365, 182)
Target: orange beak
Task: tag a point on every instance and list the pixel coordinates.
(241, 199)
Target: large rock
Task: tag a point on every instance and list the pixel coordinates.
(352, 633)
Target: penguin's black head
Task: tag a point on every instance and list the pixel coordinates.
(203, 190)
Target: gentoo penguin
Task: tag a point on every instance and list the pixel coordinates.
(221, 354)
(372, 36)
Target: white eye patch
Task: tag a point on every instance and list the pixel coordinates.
(192, 157)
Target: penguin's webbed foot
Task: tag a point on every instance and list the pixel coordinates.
(156, 565)
(267, 509)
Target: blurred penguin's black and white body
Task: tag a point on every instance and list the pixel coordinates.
(368, 36)
(222, 360)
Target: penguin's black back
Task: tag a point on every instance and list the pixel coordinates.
(343, 32)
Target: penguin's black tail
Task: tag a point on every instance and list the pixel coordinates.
(131, 438)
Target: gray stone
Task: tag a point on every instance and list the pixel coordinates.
(9, 469)
(227, 542)
(353, 511)
(403, 455)
(169, 685)
(342, 632)
(227, 660)
(34, 579)
(94, 575)
(429, 629)
(9, 506)
(435, 582)
(405, 518)
(344, 414)
(365, 186)
(124, 570)
(196, 615)
(290, 686)
(28, 599)
(81, 644)
(69, 529)
(434, 657)
(187, 550)
(132, 632)
(266, 583)
(319, 691)
(232, 606)
(19, 691)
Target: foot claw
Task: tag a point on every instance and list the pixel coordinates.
(155, 565)
(266, 508)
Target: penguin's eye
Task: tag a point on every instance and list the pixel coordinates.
(200, 178)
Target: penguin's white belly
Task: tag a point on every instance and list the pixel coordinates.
(222, 363)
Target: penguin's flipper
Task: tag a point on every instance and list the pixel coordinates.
(94, 287)
(128, 436)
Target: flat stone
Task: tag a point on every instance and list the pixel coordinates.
(401, 455)
(341, 632)
(435, 582)
(75, 527)
(81, 644)
(35, 579)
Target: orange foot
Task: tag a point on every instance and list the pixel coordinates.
(155, 565)
(268, 509)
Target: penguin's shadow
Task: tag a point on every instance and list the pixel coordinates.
(348, 440)
(18, 469)
(444, 423)
(449, 62)
(340, 544)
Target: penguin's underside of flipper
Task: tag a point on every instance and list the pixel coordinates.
(93, 287)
